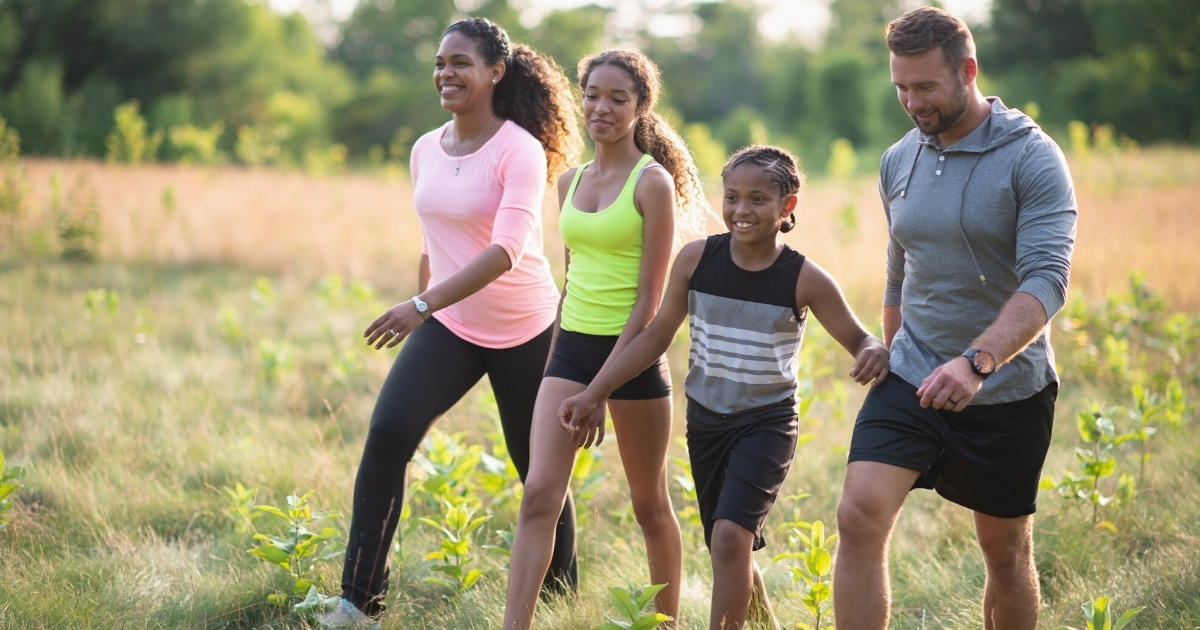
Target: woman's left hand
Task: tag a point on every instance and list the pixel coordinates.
(393, 326)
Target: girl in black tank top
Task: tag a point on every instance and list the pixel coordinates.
(748, 297)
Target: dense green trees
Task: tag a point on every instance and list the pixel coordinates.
(232, 79)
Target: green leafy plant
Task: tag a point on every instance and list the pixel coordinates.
(458, 523)
(812, 577)
(1149, 407)
(1095, 463)
(10, 481)
(98, 301)
(241, 509)
(1099, 616)
(274, 360)
(449, 466)
(128, 142)
(229, 327)
(504, 547)
(586, 481)
(301, 547)
(633, 604)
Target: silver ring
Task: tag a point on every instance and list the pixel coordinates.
(393, 333)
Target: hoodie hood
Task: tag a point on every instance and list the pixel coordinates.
(1003, 126)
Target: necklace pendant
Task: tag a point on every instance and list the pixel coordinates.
(456, 171)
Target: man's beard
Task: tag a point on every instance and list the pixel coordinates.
(947, 120)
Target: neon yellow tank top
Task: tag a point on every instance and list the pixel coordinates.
(606, 257)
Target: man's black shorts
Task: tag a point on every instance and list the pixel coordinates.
(987, 458)
(578, 357)
(739, 467)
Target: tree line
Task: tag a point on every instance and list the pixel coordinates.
(215, 80)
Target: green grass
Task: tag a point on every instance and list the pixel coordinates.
(130, 423)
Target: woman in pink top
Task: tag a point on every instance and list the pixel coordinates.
(487, 301)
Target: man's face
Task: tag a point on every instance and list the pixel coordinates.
(935, 96)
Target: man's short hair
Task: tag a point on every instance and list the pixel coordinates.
(921, 29)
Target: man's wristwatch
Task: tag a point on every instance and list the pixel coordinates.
(422, 308)
(982, 362)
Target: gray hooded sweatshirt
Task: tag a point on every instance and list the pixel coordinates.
(969, 226)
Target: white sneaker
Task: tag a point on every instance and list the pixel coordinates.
(346, 615)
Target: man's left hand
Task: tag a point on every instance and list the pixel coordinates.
(951, 386)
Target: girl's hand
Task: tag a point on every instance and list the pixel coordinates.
(871, 362)
(583, 417)
(393, 326)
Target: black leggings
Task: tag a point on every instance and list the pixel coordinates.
(434, 370)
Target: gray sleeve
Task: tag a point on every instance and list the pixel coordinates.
(892, 288)
(1046, 215)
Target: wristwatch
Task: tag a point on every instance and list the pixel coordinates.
(982, 362)
(422, 307)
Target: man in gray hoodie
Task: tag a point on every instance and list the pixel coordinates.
(981, 216)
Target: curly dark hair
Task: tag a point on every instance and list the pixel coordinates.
(654, 136)
(534, 92)
(780, 165)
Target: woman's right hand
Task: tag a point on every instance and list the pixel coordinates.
(393, 326)
(583, 417)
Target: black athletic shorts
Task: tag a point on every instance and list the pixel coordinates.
(740, 467)
(986, 458)
(578, 357)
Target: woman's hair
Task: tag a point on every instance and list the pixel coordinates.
(654, 136)
(779, 165)
(534, 93)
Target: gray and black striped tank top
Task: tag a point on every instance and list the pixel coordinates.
(746, 332)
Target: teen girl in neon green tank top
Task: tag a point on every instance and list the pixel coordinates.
(619, 217)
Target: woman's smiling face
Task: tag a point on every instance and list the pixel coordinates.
(610, 103)
(463, 78)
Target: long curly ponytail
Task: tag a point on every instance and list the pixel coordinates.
(654, 136)
(534, 92)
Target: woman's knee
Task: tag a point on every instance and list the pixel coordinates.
(394, 435)
(541, 502)
(652, 509)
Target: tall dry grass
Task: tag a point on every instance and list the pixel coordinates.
(1138, 212)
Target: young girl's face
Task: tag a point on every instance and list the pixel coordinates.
(610, 103)
(754, 207)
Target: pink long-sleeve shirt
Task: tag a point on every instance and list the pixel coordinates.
(496, 199)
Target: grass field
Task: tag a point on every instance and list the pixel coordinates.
(224, 349)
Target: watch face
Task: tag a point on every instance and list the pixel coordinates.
(984, 362)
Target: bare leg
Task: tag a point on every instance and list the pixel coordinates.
(1011, 597)
(732, 552)
(872, 495)
(552, 456)
(643, 434)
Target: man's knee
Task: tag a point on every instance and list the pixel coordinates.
(863, 519)
(1007, 544)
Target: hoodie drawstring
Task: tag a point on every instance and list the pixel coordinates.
(912, 167)
(962, 210)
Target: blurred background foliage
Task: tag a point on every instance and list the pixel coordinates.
(235, 80)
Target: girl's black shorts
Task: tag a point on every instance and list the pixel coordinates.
(578, 357)
(739, 465)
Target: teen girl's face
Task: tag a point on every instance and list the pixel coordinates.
(463, 78)
(753, 206)
(610, 104)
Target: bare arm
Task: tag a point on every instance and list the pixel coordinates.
(891, 323)
(641, 352)
(423, 273)
(952, 385)
(403, 318)
(820, 293)
(654, 196)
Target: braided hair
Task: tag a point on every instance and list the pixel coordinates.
(534, 92)
(654, 136)
(779, 165)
